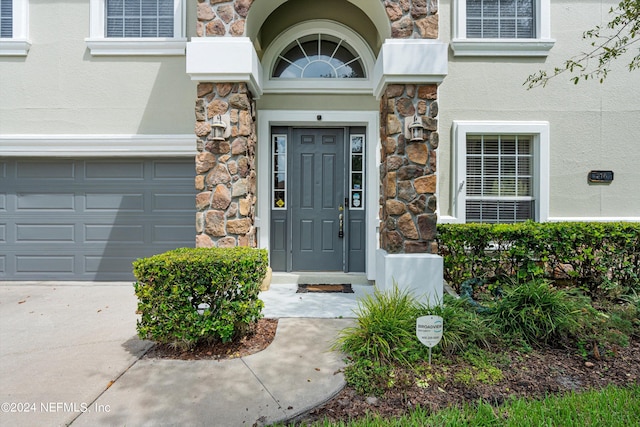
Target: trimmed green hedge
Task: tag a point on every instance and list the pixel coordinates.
(601, 258)
(188, 295)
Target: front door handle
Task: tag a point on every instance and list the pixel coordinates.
(341, 223)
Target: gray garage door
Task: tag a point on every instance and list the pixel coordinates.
(89, 219)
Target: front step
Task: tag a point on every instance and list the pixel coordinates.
(315, 278)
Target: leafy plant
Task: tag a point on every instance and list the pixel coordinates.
(188, 295)
(600, 258)
(481, 368)
(385, 336)
(385, 329)
(536, 312)
(608, 44)
(463, 326)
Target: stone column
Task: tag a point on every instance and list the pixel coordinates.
(408, 170)
(225, 170)
(407, 257)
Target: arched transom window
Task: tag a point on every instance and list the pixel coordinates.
(316, 56)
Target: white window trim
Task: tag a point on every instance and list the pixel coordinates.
(100, 45)
(276, 85)
(539, 46)
(541, 158)
(19, 44)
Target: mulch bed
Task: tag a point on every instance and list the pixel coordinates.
(533, 375)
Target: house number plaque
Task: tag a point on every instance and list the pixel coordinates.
(601, 176)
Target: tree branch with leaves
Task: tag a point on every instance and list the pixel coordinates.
(608, 43)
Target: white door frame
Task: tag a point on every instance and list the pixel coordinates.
(370, 119)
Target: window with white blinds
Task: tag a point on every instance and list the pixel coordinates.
(499, 178)
(501, 19)
(6, 18)
(139, 18)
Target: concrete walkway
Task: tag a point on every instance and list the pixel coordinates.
(69, 354)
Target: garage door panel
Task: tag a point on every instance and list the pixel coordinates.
(114, 233)
(92, 227)
(173, 202)
(171, 233)
(102, 263)
(120, 170)
(171, 170)
(45, 264)
(40, 201)
(114, 202)
(37, 233)
(39, 169)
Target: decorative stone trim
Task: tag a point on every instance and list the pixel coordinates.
(222, 17)
(408, 18)
(408, 170)
(413, 18)
(225, 169)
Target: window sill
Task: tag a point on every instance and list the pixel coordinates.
(136, 46)
(14, 47)
(501, 47)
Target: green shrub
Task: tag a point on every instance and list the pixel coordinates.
(187, 295)
(600, 258)
(537, 313)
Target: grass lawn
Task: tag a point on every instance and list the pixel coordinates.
(609, 407)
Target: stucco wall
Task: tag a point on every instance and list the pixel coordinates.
(592, 126)
(59, 88)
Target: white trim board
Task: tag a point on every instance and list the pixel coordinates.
(370, 119)
(97, 145)
(448, 219)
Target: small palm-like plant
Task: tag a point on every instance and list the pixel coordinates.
(385, 328)
(536, 312)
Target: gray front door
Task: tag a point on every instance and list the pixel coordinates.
(317, 195)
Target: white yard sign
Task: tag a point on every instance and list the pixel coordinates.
(429, 331)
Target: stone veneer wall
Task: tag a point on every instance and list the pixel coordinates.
(226, 175)
(408, 170)
(409, 18)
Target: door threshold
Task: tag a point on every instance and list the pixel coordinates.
(319, 277)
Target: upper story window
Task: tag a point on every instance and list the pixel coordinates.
(137, 27)
(319, 56)
(500, 19)
(502, 28)
(6, 18)
(139, 18)
(14, 23)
